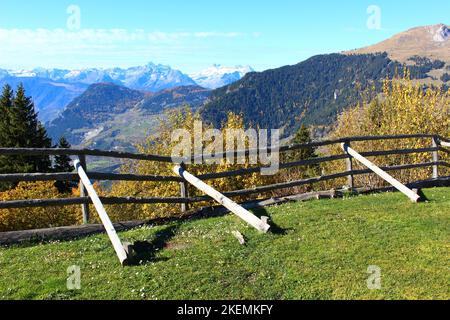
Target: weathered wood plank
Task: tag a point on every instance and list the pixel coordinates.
(349, 168)
(184, 191)
(397, 152)
(15, 177)
(30, 203)
(241, 172)
(354, 139)
(435, 144)
(83, 192)
(444, 150)
(60, 233)
(85, 152)
(132, 177)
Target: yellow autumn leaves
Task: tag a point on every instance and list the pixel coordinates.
(34, 218)
(402, 108)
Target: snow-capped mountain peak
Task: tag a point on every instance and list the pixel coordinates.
(218, 76)
(150, 77)
(22, 73)
(442, 34)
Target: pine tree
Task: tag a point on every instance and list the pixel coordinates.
(63, 164)
(301, 136)
(42, 140)
(5, 107)
(20, 128)
(5, 141)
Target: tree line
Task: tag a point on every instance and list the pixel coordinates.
(21, 128)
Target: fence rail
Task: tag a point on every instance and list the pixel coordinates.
(437, 144)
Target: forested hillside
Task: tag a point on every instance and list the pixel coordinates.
(99, 103)
(312, 92)
(110, 116)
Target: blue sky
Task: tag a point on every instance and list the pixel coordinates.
(191, 35)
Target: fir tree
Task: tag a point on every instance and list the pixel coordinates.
(302, 136)
(20, 128)
(5, 107)
(5, 141)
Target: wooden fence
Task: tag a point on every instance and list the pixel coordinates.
(437, 144)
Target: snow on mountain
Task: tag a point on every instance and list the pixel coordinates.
(442, 34)
(88, 76)
(52, 74)
(150, 77)
(22, 73)
(53, 89)
(218, 76)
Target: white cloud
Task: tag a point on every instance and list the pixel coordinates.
(99, 36)
(25, 48)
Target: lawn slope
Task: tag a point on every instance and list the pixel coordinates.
(320, 250)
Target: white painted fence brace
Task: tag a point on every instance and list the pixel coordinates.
(238, 210)
(384, 175)
(117, 244)
(445, 144)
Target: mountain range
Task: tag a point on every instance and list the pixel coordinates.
(53, 89)
(119, 107)
(108, 116)
(314, 91)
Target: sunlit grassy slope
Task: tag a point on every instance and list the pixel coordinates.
(319, 250)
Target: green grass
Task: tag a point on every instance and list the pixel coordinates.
(324, 253)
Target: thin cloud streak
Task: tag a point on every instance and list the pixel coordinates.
(23, 47)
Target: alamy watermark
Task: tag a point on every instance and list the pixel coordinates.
(374, 20)
(234, 146)
(73, 278)
(74, 19)
(374, 280)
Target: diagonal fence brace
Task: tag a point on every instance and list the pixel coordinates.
(238, 210)
(109, 227)
(382, 174)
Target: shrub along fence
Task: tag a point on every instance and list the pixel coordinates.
(438, 145)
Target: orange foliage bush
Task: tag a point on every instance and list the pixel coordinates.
(35, 218)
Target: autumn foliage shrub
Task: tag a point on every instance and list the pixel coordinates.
(162, 144)
(36, 218)
(403, 108)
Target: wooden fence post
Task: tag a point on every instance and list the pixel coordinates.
(184, 191)
(435, 142)
(349, 168)
(83, 192)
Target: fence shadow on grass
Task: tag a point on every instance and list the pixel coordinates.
(274, 228)
(146, 251)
